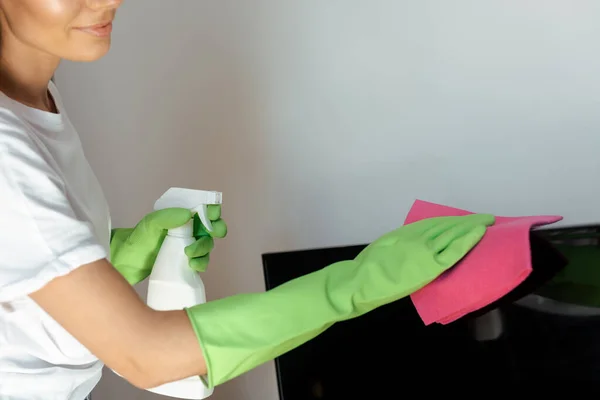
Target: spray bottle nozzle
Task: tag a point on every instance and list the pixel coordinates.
(194, 200)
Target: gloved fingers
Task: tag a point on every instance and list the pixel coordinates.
(200, 264)
(200, 247)
(461, 246)
(152, 227)
(219, 229)
(434, 227)
(168, 218)
(479, 219)
(443, 224)
(465, 225)
(213, 211)
(445, 239)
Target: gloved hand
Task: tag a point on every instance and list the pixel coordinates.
(241, 332)
(133, 251)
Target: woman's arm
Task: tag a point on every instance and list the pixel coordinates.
(238, 333)
(55, 249)
(97, 306)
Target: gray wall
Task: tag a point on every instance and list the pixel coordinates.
(321, 121)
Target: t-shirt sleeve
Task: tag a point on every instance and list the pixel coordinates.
(41, 236)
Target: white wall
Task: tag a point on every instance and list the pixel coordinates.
(321, 121)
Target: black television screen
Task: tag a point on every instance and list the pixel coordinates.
(389, 353)
(375, 354)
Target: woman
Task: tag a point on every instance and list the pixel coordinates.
(66, 310)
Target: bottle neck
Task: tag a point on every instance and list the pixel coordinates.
(184, 231)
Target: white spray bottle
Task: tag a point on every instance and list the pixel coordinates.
(173, 285)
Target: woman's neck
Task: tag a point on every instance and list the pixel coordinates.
(25, 72)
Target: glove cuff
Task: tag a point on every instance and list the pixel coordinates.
(241, 332)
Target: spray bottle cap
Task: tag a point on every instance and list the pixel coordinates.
(194, 200)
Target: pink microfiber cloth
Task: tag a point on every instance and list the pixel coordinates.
(498, 264)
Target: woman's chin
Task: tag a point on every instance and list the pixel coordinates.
(89, 53)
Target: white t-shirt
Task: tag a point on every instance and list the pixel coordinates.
(53, 219)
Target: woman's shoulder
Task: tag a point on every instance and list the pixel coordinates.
(16, 115)
(10, 113)
(20, 124)
(30, 139)
(19, 151)
(14, 131)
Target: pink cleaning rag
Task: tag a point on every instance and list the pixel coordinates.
(499, 263)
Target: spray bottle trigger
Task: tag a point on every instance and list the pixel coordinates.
(202, 211)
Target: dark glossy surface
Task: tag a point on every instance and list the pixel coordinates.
(389, 353)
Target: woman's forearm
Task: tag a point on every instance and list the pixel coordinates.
(101, 310)
(175, 354)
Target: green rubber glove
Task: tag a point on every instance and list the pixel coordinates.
(133, 251)
(241, 332)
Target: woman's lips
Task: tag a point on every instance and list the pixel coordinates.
(100, 30)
